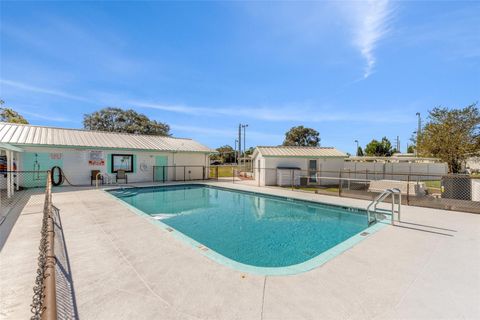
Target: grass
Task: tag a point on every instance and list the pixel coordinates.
(433, 184)
(223, 171)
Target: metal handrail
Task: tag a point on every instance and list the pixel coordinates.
(385, 194)
(44, 301)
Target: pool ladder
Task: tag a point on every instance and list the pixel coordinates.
(395, 193)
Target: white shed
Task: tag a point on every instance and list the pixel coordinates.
(308, 163)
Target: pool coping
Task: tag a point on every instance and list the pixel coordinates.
(305, 266)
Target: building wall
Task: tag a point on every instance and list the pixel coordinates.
(75, 163)
(394, 171)
(473, 164)
(326, 167)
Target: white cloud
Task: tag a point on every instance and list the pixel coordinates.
(297, 113)
(370, 21)
(45, 116)
(300, 113)
(28, 87)
(206, 131)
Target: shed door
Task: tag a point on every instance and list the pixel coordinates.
(312, 171)
(161, 168)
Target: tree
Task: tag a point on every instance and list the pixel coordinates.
(377, 148)
(359, 152)
(411, 149)
(451, 135)
(226, 154)
(249, 151)
(10, 115)
(126, 121)
(301, 136)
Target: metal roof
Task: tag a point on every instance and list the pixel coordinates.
(21, 134)
(286, 151)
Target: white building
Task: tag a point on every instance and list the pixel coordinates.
(279, 165)
(396, 167)
(79, 152)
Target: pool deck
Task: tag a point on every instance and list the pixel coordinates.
(125, 267)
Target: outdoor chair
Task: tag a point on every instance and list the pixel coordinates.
(93, 177)
(121, 175)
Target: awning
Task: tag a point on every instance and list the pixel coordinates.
(6, 146)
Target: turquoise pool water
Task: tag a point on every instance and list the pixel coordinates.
(250, 228)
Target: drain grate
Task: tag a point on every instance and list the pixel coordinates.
(364, 234)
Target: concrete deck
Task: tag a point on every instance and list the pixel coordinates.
(125, 267)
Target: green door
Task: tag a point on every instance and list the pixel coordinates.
(160, 170)
(37, 163)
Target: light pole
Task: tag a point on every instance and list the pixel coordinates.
(236, 151)
(239, 143)
(416, 143)
(356, 151)
(244, 126)
(419, 130)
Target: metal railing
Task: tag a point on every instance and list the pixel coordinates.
(381, 197)
(448, 192)
(44, 301)
(426, 189)
(16, 187)
(179, 173)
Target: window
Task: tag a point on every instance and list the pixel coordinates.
(312, 171)
(122, 162)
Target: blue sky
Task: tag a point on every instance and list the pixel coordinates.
(351, 70)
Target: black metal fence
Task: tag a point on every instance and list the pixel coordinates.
(179, 173)
(450, 192)
(17, 186)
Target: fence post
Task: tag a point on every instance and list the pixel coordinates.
(203, 173)
(50, 260)
(233, 174)
(349, 176)
(340, 184)
(153, 178)
(163, 177)
(408, 190)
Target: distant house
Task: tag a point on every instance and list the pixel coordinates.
(472, 165)
(79, 152)
(279, 165)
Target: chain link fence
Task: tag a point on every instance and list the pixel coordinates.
(448, 192)
(30, 192)
(17, 188)
(179, 173)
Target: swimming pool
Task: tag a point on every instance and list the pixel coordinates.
(251, 229)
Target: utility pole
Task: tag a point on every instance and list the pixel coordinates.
(239, 142)
(244, 126)
(235, 154)
(419, 128)
(398, 144)
(419, 131)
(356, 151)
